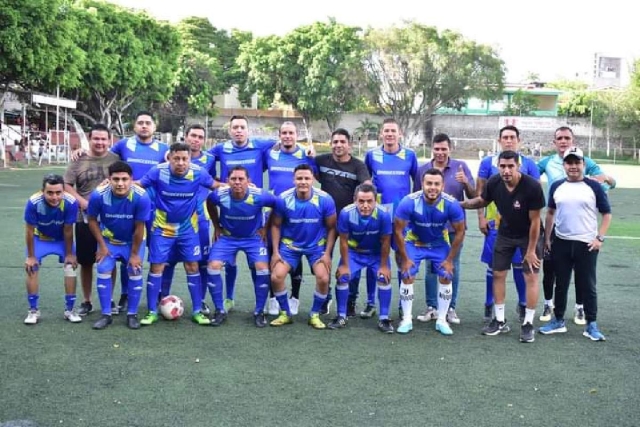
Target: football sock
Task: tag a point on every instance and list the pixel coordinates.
(296, 281)
(70, 300)
(261, 289)
(103, 284)
(135, 294)
(202, 267)
(371, 287)
(124, 279)
(489, 292)
(195, 290)
(342, 295)
(167, 278)
(33, 301)
(528, 315)
(499, 311)
(318, 300)
(153, 290)
(384, 297)
(231, 273)
(283, 300)
(406, 301)
(214, 283)
(444, 300)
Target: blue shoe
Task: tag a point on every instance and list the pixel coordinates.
(593, 333)
(405, 327)
(555, 326)
(444, 328)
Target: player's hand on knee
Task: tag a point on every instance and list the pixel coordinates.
(71, 260)
(343, 271)
(31, 265)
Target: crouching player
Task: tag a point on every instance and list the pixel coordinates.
(49, 216)
(426, 214)
(123, 210)
(365, 241)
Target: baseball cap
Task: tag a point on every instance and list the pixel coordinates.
(575, 152)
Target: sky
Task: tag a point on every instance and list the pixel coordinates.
(553, 39)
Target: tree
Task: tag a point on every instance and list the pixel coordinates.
(413, 70)
(522, 103)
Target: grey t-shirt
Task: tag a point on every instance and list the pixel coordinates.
(340, 179)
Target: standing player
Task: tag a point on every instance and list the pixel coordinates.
(175, 226)
(236, 229)
(365, 242)
(519, 200)
(49, 216)
(122, 210)
(425, 215)
(303, 223)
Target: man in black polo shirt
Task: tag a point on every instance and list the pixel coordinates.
(519, 199)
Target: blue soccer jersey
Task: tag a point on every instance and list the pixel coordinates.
(251, 156)
(140, 156)
(242, 218)
(427, 224)
(303, 220)
(118, 215)
(392, 173)
(364, 232)
(207, 162)
(176, 198)
(49, 221)
(281, 165)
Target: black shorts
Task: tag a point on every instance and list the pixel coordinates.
(505, 247)
(86, 245)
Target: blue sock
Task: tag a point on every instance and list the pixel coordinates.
(354, 286)
(261, 288)
(214, 283)
(371, 287)
(203, 279)
(318, 300)
(103, 284)
(384, 297)
(489, 293)
(70, 301)
(342, 295)
(195, 289)
(135, 294)
(231, 273)
(33, 301)
(167, 279)
(283, 300)
(521, 286)
(153, 290)
(124, 279)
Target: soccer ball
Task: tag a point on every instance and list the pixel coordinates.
(171, 307)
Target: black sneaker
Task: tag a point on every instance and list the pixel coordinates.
(337, 323)
(522, 310)
(219, 317)
(122, 302)
(114, 309)
(351, 308)
(488, 313)
(527, 333)
(85, 308)
(104, 321)
(326, 307)
(495, 328)
(132, 321)
(259, 320)
(368, 312)
(385, 326)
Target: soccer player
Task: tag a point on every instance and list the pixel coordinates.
(122, 210)
(489, 219)
(81, 178)
(176, 186)
(425, 215)
(365, 242)
(237, 228)
(49, 216)
(303, 223)
(553, 167)
(519, 200)
(574, 204)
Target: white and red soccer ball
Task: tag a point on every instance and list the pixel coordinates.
(171, 307)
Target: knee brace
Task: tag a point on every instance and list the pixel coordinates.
(69, 271)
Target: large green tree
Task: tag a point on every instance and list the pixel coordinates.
(413, 69)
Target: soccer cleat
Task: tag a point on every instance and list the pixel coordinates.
(405, 326)
(443, 328)
(132, 321)
(488, 313)
(326, 307)
(546, 314)
(495, 328)
(228, 305)
(122, 302)
(218, 318)
(385, 326)
(282, 319)
(578, 317)
(259, 320)
(431, 313)
(205, 309)
(72, 316)
(114, 309)
(85, 308)
(593, 333)
(351, 308)
(294, 306)
(104, 321)
(527, 333)
(521, 310)
(368, 312)
(555, 326)
(315, 322)
(32, 317)
(273, 308)
(452, 316)
(149, 319)
(338, 323)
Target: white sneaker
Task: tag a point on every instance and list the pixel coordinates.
(32, 317)
(72, 316)
(578, 317)
(429, 314)
(294, 305)
(273, 308)
(452, 316)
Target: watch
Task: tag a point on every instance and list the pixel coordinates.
(600, 238)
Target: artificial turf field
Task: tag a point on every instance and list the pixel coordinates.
(181, 374)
